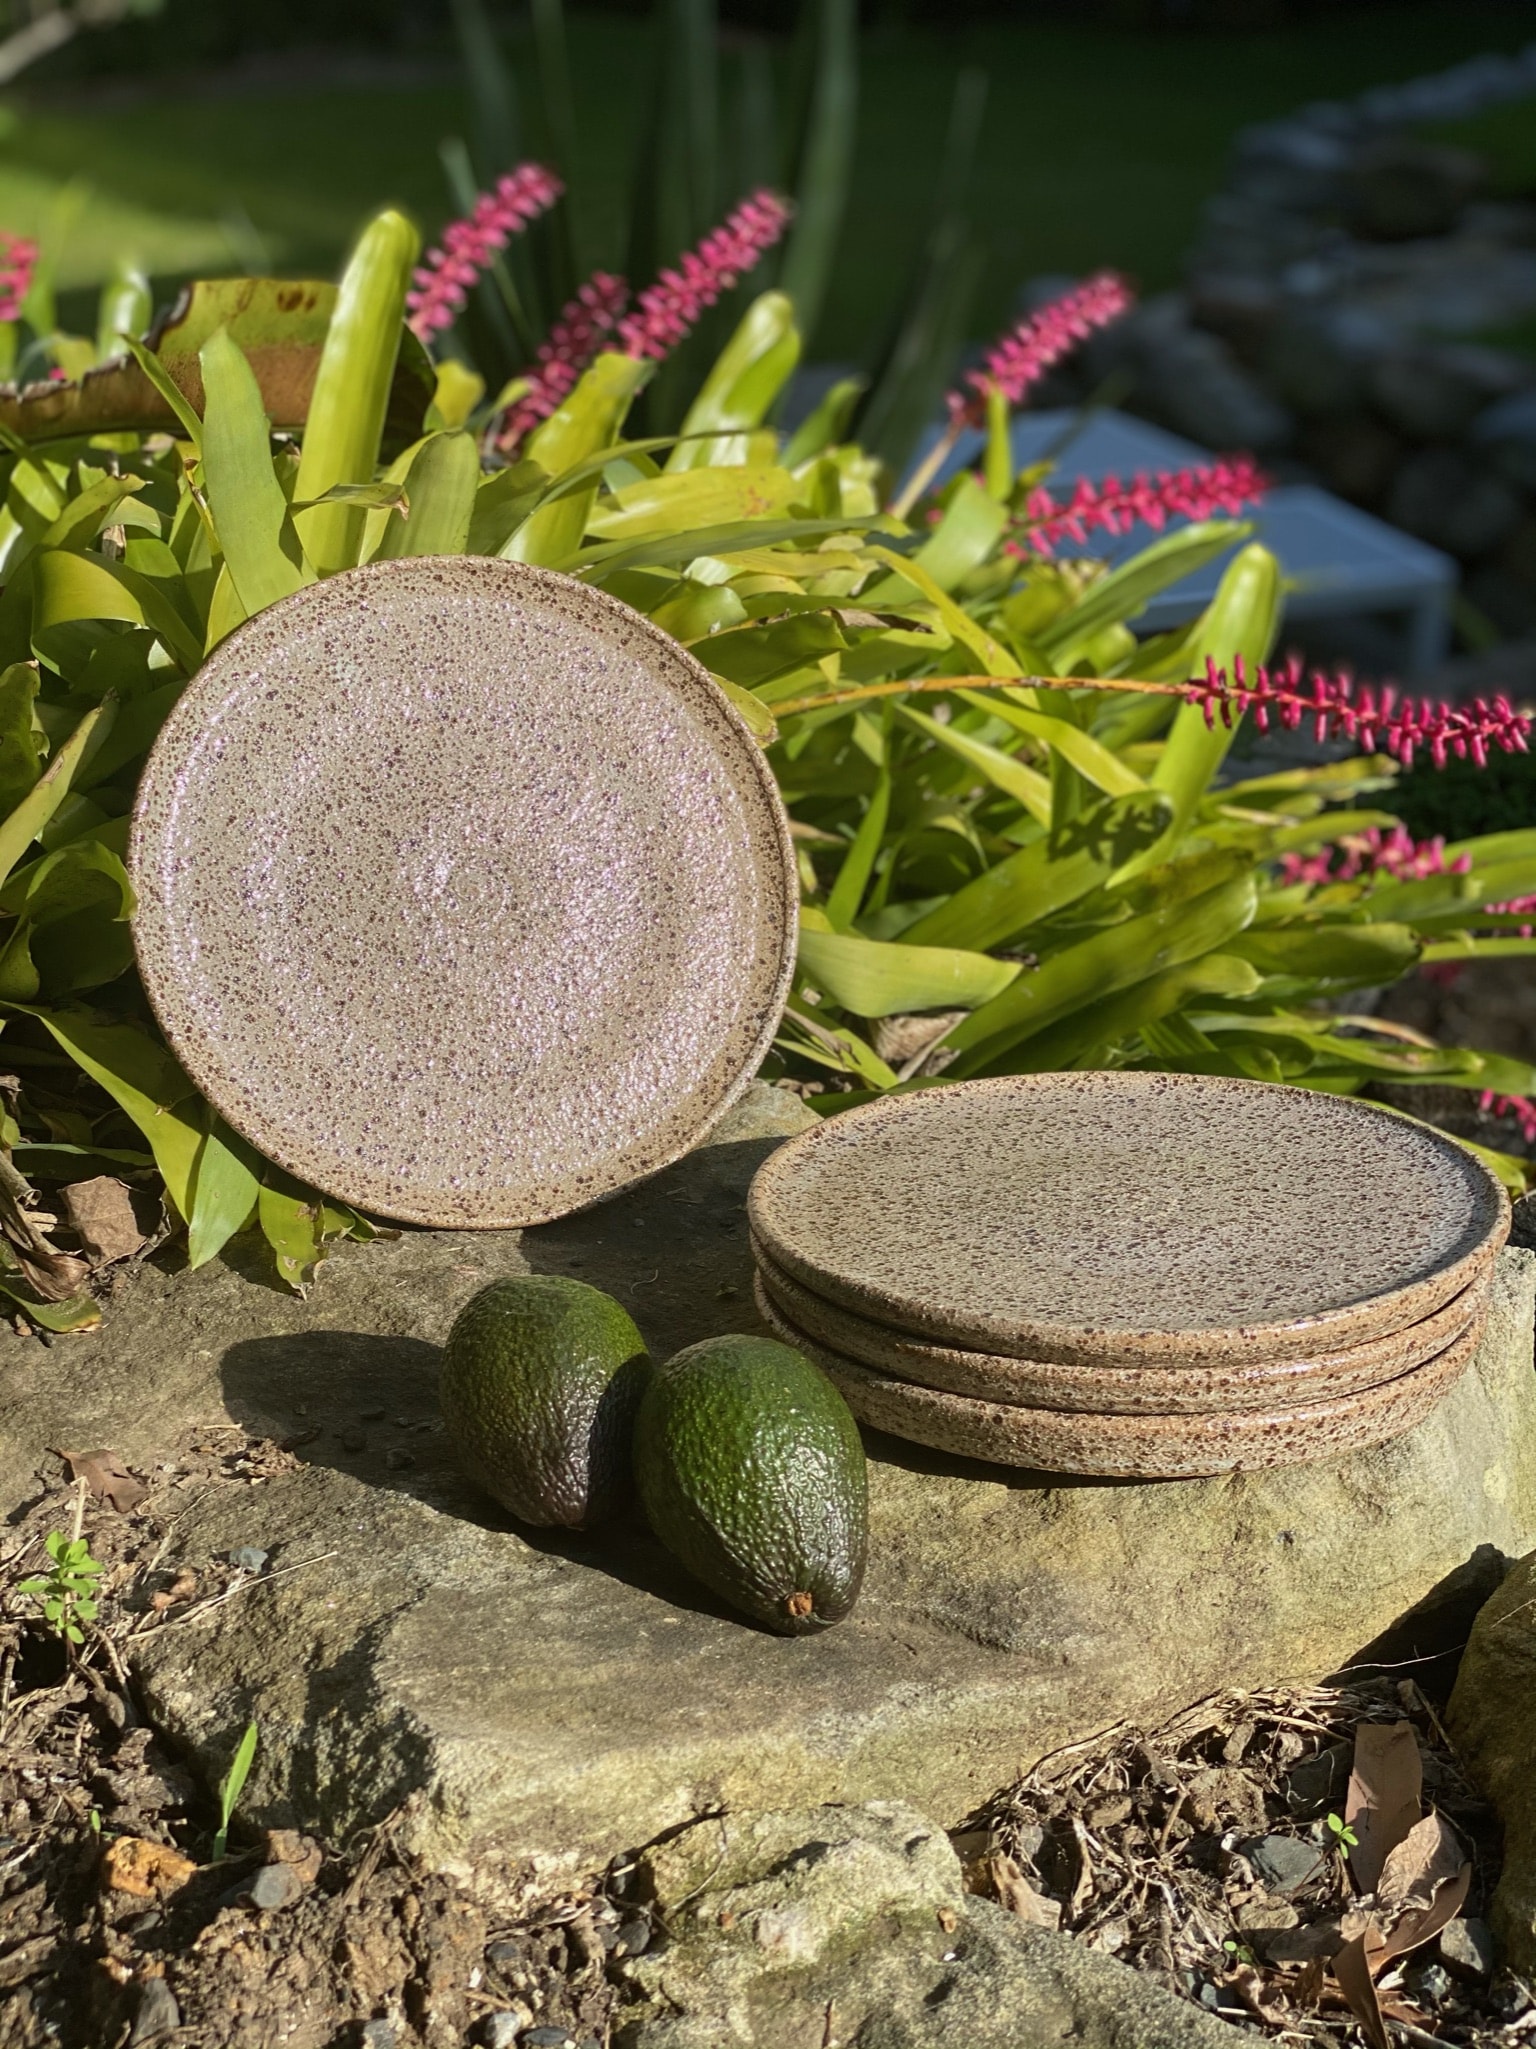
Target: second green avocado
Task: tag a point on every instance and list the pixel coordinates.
(540, 1379)
(751, 1471)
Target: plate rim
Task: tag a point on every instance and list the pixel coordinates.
(1027, 1338)
(781, 888)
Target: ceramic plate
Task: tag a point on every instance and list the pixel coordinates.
(1097, 1219)
(1143, 1390)
(1135, 1447)
(463, 892)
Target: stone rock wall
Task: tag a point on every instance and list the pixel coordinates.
(1332, 317)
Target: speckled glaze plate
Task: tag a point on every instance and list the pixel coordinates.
(463, 891)
(1134, 1447)
(1141, 1390)
(1100, 1219)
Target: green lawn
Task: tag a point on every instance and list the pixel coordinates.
(1097, 147)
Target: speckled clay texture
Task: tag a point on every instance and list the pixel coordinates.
(463, 892)
(1135, 1447)
(1096, 1218)
(1136, 1390)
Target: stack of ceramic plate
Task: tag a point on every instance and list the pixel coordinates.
(1145, 1275)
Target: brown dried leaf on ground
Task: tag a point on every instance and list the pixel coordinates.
(101, 1214)
(1019, 1896)
(108, 1479)
(1424, 1885)
(1352, 1969)
(1385, 1798)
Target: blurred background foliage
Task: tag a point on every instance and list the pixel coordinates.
(253, 134)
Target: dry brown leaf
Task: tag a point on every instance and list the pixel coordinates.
(1428, 1857)
(1423, 1925)
(101, 1215)
(150, 1871)
(1019, 1896)
(1385, 1798)
(1258, 1994)
(108, 1479)
(1353, 1972)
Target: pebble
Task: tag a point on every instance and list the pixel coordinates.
(398, 1461)
(500, 2030)
(379, 2035)
(249, 1558)
(1431, 1983)
(633, 1938)
(1284, 1862)
(546, 2038)
(274, 1886)
(158, 2013)
(1467, 1948)
(354, 1440)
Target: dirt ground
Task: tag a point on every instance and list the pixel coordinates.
(120, 1926)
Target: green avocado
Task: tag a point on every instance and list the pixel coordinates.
(751, 1471)
(541, 1377)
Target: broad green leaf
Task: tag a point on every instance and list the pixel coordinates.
(588, 422)
(824, 427)
(847, 892)
(244, 496)
(20, 758)
(993, 657)
(748, 376)
(502, 502)
(87, 513)
(880, 978)
(1098, 1026)
(759, 719)
(78, 1312)
(441, 486)
(164, 384)
(997, 463)
(459, 391)
(681, 500)
(225, 1188)
(1088, 756)
(290, 1223)
(123, 307)
(1044, 876)
(352, 386)
(146, 1083)
(824, 156)
(1098, 966)
(67, 588)
(608, 558)
(1366, 954)
(1242, 619)
(24, 824)
(1025, 785)
(1126, 591)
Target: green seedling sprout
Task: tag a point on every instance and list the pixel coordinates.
(67, 1594)
(232, 1785)
(1344, 1837)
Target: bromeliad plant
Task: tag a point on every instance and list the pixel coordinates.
(1021, 844)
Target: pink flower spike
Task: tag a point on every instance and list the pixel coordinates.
(1521, 1108)
(18, 260)
(668, 309)
(1225, 486)
(444, 280)
(1021, 358)
(1338, 710)
(565, 352)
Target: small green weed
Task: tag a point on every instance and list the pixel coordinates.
(68, 1594)
(232, 1785)
(1344, 1837)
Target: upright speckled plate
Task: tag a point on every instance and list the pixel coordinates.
(1135, 1447)
(1101, 1219)
(1134, 1390)
(463, 892)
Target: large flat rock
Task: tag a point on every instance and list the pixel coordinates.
(560, 1698)
(1492, 1724)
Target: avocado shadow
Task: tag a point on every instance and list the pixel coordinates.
(366, 1405)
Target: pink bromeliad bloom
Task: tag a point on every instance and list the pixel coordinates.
(668, 309)
(1521, 1108)
(18, 260)
(1022, 357)
(444, 280)
(571, 344)
(1373, 852)
(1371, 716)
(1115, 508)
